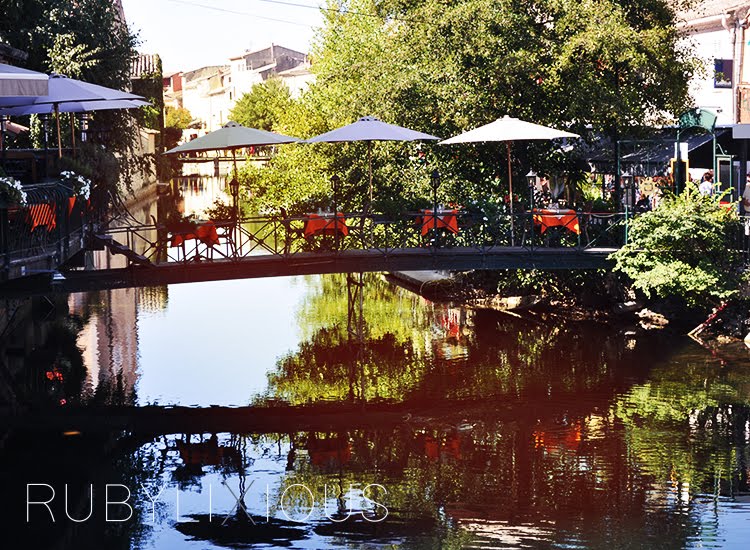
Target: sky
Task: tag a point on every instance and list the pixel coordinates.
(189, 34)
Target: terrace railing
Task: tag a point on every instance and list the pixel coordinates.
(42, 234)
(286, 236)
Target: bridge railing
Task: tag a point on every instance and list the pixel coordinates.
(287, 236)
(43, 233)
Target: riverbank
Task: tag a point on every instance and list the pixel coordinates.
(594, 296)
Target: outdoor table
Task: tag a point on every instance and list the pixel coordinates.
(325, 224)
(445, 219)
(42, 215)
(567, 218)
(204, 232)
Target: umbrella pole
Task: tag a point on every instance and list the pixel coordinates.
(369, 163)
(510, 188)
(59, 135)
(235, 198)
(73, 132)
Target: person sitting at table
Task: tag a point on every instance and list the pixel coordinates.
(706, 187)
(542, 194)
(746, 195)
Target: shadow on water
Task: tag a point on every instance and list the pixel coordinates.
(241, 530)
(405, 423)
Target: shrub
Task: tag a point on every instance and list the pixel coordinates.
(685, 249)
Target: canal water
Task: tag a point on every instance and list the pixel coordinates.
(425, 425)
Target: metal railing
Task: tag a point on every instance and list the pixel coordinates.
(45, 231)
(286, 236)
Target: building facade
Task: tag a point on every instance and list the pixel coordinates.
(718, 32)
(210, 93)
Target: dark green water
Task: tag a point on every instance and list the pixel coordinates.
(490, 431)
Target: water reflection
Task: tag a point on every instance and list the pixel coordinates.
(199, 193)
(477, 429)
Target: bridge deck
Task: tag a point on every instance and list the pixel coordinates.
(306, 263)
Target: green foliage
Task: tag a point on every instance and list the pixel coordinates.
(267, 189)
(77, 166)
(263, 107)
(85, 39)
(101, 167)
(445, 67)
(151, 86)
(684, 249)
(71, 58)
(220, 210)
(178, 118)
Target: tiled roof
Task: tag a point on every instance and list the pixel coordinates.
(203, 72)
(145, 64)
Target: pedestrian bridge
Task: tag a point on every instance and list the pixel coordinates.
(274, 246)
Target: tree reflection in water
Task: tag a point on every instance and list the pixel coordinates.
(512, 432)
(417, 350)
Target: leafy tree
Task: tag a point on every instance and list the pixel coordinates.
(263, 106)
(684, 249)
(445, 67)
(85, 39)
(179, 118)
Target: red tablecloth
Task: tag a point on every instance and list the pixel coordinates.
(325, 224)
(42, 215)
(205, 233)
(84, 204)
(553, 218)
(445, 219)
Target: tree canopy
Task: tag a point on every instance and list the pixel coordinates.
(444, 67)
(263, 106)
(84, 39)
(179, 118)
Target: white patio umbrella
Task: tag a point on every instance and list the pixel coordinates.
(66, 90)
(509, 129)
(231, 136)
(72, 107)
(370, 129)
(17, 85)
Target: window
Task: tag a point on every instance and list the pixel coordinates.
(723, 73)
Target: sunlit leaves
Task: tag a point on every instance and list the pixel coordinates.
(684, 249)
(444, 67)
(263, 106)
